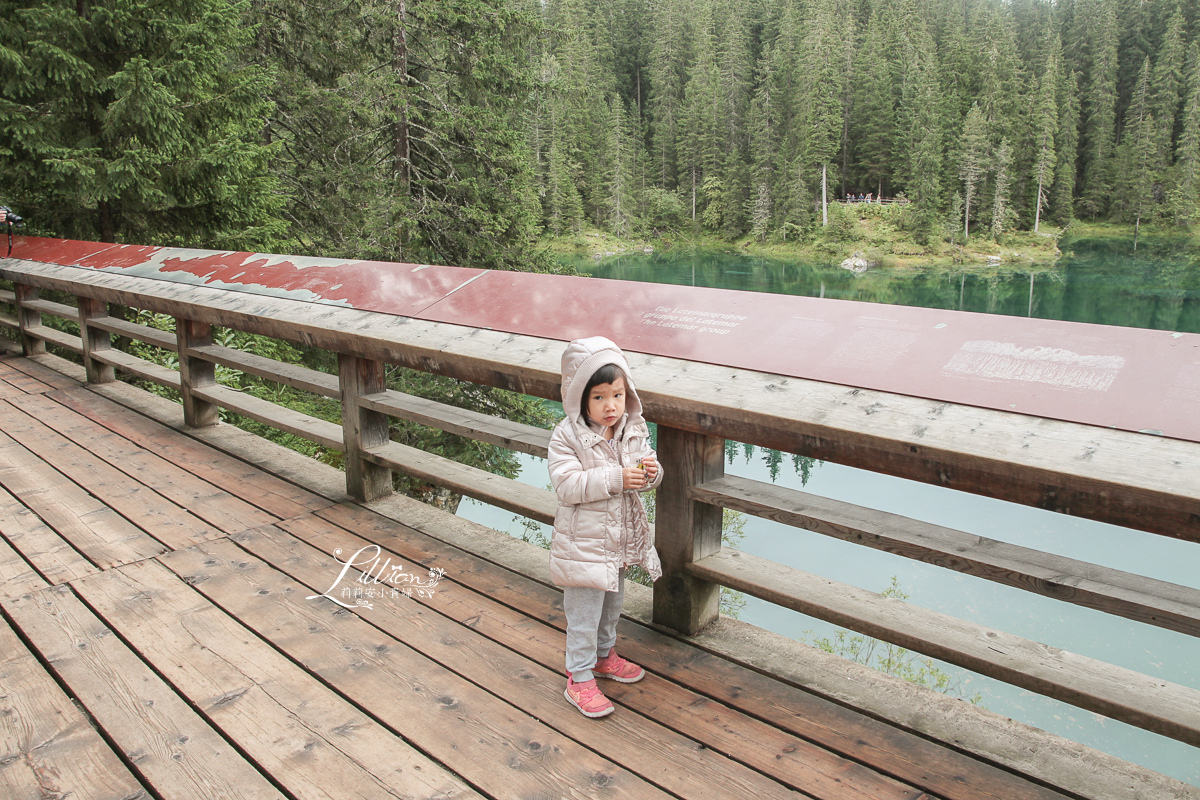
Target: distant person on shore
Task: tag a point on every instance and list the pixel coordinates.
(600, 459)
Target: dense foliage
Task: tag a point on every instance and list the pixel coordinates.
(733, 117)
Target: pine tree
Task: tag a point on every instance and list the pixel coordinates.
(1185, 191)
(1099, 111)
(1166, 89)
(1062, 202)
(1001, 212)
(974, 161)
(1046, 127)
(1136, 155)
(134, 122)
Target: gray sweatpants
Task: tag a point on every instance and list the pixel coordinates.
(592, 616)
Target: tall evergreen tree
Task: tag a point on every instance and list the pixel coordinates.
(1062, 201)
(133, 121)
(974, 161)
(1045, 124)
(1185, 192)
(1136, 155)
(1100, 110)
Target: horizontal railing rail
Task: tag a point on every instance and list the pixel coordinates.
(1125, 478)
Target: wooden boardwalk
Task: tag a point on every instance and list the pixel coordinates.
(160, 638)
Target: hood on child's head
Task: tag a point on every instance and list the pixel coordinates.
(580, 361)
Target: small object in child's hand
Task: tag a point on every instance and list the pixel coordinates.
(640, 465)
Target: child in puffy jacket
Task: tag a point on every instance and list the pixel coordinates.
(600, 458)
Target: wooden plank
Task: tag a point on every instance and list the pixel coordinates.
(47, 747)
(686, 530)
(1144, 482)
(9, 321)
(16, 576)
(660, 722)
(60, 310)
(294, 375)
(173, 748)
(495, 747)
(132, 498)
(210, 504)
(521, 498)
(56, 337)
(94, 340)
(7, 296)
(44, 375)
(142, 333)
(28, 319)
(95, 530)
(310, 740)
(362, 429)
(1122, 694)
(51, 555)
(139, 367)
(461, 421)
(1135, 597)
(515, 606)
(316, 430)
(258, 487)
(195, 373)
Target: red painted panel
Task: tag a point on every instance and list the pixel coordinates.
(65, 252)
(1103, 375)
(1127, 378)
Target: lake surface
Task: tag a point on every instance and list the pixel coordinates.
(1100, 281)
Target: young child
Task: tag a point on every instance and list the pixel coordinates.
(600, 458)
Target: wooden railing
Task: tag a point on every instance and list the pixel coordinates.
(1145, 482)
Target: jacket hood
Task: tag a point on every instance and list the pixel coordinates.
(580, 361)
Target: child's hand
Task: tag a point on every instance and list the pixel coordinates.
(651, 466)
(633, 478)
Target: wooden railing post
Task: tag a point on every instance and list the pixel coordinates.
(362, 428)
(686, 530)
(94, 341)
(28, 318)
(195, 373)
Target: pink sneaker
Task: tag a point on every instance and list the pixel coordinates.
(588, 698)
(618, 669)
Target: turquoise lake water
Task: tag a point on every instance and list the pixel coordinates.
(1100, 281)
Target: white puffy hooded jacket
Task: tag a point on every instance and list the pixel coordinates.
(599, 527)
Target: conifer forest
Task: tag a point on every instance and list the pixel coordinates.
(461, 131)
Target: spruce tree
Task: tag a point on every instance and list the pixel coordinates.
(1045, 124)
(1100, 109)
(974, 161)
(1062, 201)
(1184, 196)
(132, 121)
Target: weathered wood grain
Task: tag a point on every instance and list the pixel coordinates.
(95, 530)
(214, 506)
(678, 715)
(294, 375)
(47, 335)
(1136, 597)
(9, 321)
(132, 498)
(53, 557)
(16, 576)
(362, 428)
(1115, 476)
(42, 375)
(521, 498)
(172, 747)
(690, 530)
(495, 747)
(131, 330)
(140, 368)
(464, 422)
(313, 742)
(256, 486)
(7, 296)
(60, 310)
(523, 678)
(47, 747)
(527, 617)
(94, 340)
(1131, 697)
(326, 434)
(195, 374)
